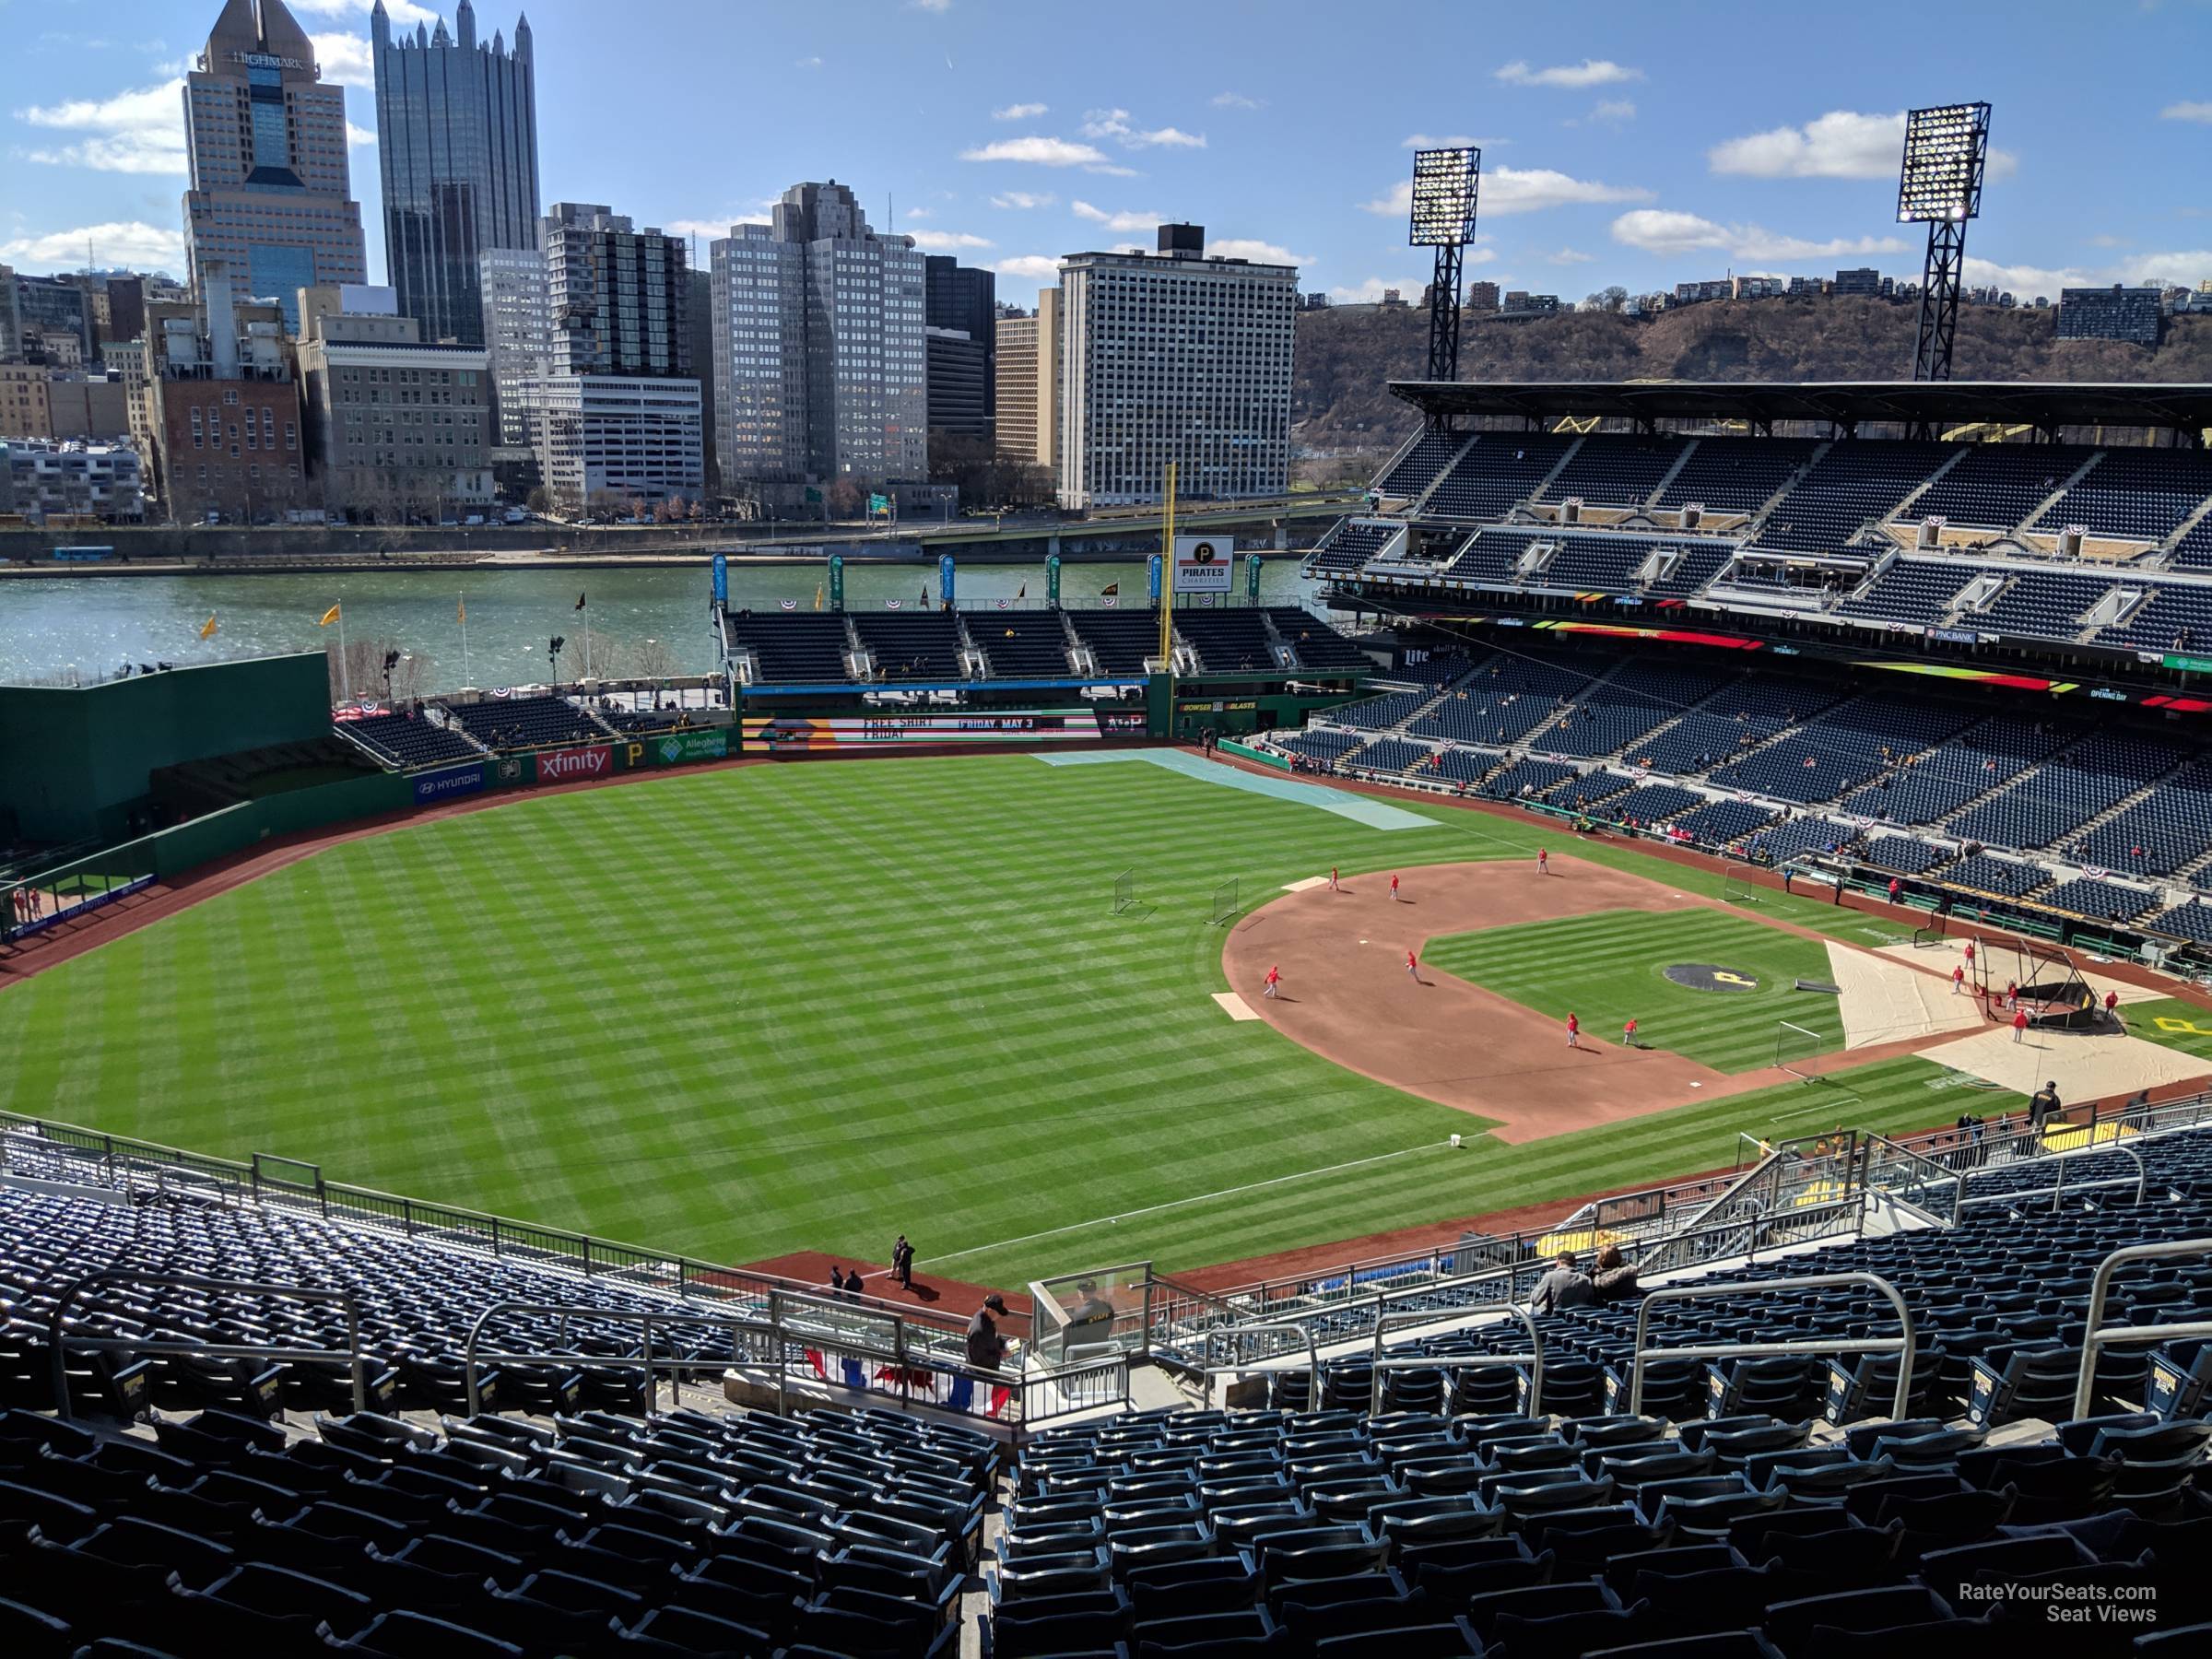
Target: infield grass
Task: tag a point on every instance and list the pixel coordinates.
(1609, 967)
(807, 1007)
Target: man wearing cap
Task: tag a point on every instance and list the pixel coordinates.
(986, 1347)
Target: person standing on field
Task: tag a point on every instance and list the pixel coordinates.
(1628, 1034)
(902, 1262)
(1393, 890)
(1958, 980)
(1413, 966)
(1274, 977)
(1575, 1031)
(1332, 887)
(1543, 861)
(2019, 1024)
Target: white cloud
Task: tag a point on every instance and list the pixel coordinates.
(134, 244)
(403, 13)
(948, 241)
(1259, 253)
(915, 213)
(1038, 267)
(813, 62)
(1238, 100)
(1842, 143)
(1589, 72)
(1571, 256)
(1144, 219)
(356, 136)
(2186, 111)
(1614, 110)
(1018, 111)
(1110, 170)
(1519, 190)
(1370, 291)
(140, 131)
(1024, 198)
(706, 230)
(931, 5)
(1043, 151)
(345, 58)
(1115, 125)
(2183, 268)
(1668, 231)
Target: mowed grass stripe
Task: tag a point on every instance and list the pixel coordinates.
(808, 1006)
(1609, 967)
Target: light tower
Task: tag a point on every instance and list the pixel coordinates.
(1940, 186)
(1445, 183)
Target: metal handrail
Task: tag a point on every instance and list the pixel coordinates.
(56, 1337)
(1901, 1344)
(2093, 1337)
(1280, 1328)
(1533, 1358)
(471, 1358)
(1961, 1202)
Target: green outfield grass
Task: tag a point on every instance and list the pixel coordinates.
(2176, 1024)
(744, 1012)
(1608, 967)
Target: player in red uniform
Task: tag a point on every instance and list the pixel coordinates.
(1575, 1031)
(1393, 890)
(1627, 1035)
(1332, 887)
(1275, 976)
(1543, 861)
(2019, 1024)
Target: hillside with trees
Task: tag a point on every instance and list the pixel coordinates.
(1344, 413)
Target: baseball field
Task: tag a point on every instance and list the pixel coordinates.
(782, 1007)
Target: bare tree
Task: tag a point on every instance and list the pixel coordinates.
(363, 674)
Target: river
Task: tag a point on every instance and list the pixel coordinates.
(91, 625)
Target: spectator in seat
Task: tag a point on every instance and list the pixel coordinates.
(1565, 1285)
(1612, 1278)
(986, 1347)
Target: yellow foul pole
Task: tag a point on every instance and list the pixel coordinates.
(1166, 590)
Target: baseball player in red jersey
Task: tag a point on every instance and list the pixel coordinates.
(1543, 861)
(1627, 1035)
(1413, 964)
(1332, 887)
(2112, 1004)
(1957, 980)
(1393, 890)
(1274, 977)
(1575, 1031)
(1970, 953)
(2019, 1024)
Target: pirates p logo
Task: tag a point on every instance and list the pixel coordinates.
(1723, 977)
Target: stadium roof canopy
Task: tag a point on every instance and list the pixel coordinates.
(2040, 404)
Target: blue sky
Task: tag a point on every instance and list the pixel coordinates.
(1641, 145)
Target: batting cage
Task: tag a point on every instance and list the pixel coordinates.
(2011, 974)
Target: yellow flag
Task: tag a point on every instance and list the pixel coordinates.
(329, 616)
(208, 629)
(817, 595)
(461, 610)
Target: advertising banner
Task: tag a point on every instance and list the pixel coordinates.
(1152, 579)
(1205, 564)
(837, 582)
(561, 766)
(448, 781)
(1052, 581)
(721, 579)
(790, 733)
(1251, 577)
(676, 749)
(945, 579)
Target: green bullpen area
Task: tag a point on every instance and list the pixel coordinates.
(759, 1010)
(1610, 967)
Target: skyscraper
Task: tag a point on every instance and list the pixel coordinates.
(518, 336)
(1175, 357)
(456, 138)
(820, 355)
(616, 418)
(965, 298)
(1029, 378)
(270, 196)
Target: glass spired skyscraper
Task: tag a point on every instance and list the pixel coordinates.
(456, 138)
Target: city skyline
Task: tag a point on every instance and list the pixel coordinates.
(1609, 157)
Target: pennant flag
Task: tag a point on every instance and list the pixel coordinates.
(329, 616)
(817, 595)
(924, 601)
(460, 611)
(208, 629)
(1111, 589)
(1024, 591)
(580, 602)
(793, 604)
